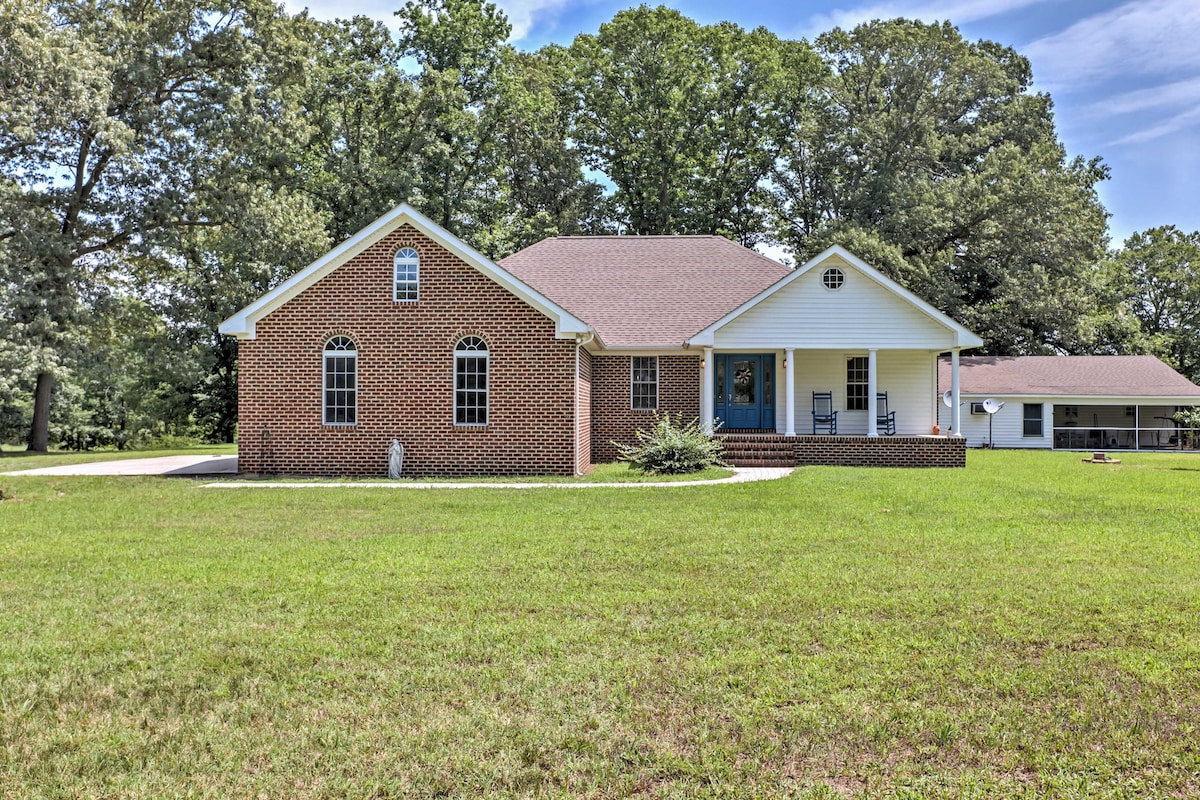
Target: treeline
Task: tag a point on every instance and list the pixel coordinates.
(166, 161)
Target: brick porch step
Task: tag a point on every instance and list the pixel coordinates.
(759, 450)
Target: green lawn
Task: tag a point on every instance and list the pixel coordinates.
(1027, 627)
(602, 473)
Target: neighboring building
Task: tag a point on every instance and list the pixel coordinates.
(536, 364)
(1072, 402)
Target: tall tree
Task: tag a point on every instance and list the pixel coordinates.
(686, 121)
(1157, 280)
(366, 125)
(541, 190)
(457, 44)
(118, 116)
(934, 153)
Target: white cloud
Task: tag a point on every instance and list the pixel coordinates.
(1179, 122)
(521, 14)
(956, 11)
(1141, 37)
(1168, 95)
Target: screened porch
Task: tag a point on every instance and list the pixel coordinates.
(1120, 427)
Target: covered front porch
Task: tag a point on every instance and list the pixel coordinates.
(869, 392)
(798, 406)
(839, 359)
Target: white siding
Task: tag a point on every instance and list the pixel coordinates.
(860, 314)
(1007, 424)
(907, 376)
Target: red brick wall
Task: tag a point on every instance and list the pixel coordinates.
(583, 410)
(406, 374)
(612, 417)
(881, 451)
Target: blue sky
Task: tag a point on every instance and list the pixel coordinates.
(1124, 74)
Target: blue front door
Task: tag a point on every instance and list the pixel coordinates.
(745, 390)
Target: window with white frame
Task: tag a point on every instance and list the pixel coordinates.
(1032, 420)
(856, 383)
(406, 286)
(643, 383)
(341, 381)
(471, 382)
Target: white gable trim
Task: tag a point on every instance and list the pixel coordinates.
(242, 324)
(962, 336)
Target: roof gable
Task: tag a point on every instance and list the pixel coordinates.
(242, 324)
(778, 293)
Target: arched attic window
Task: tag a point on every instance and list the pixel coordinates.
(406, 283)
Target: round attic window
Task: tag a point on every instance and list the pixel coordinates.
(833, 279)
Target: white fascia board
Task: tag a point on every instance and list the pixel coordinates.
(648, 350)
(1084, 399)
(963, 338)
(241, 324)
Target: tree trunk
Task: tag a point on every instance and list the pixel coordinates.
(39, 432)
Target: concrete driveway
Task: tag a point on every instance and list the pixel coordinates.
(164, 465)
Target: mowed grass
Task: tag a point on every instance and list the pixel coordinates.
(1027, 627)
(601, 473)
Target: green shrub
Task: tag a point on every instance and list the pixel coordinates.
(668, 449)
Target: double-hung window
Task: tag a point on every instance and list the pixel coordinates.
(471, 382)
(406, 286)
(341, 381)
(856, 383)
(643, 383)
(1032, 420)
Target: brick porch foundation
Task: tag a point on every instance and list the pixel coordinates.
(761, 450)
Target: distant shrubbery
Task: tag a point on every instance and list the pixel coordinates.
(667, 449)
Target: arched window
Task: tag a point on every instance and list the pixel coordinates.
(406, 283)
(471, 381)
(341, 381)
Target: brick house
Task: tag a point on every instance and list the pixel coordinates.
(536, 363)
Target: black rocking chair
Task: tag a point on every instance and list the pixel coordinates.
(824, 417)
(885, 422)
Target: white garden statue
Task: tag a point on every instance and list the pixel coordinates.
(395, 459)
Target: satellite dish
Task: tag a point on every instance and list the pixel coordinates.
(991, 406)
(948, 398)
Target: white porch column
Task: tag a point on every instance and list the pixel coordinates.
(955, 398)
(706, 389)
(872, 388)
(789, 375)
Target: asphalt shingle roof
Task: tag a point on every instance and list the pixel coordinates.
(1114, 376)
(645, 291)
